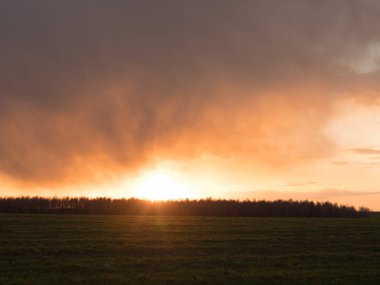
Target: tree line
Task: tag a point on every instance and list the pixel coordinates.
(201, 207)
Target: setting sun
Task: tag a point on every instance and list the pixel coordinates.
(158, 185)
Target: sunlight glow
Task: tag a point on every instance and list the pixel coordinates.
(159, 185)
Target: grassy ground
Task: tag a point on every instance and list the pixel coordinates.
(47, 249)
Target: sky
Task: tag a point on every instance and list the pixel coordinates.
(173, 99)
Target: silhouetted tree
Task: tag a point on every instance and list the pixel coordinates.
(202, 207)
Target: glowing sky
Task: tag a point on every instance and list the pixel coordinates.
(232, 99)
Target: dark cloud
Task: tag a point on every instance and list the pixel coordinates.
(321, 195)
(301, 183)
(341, 163)
(327, 193)
(366, 151)
(90, 89)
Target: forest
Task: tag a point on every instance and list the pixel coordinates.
(201, 207)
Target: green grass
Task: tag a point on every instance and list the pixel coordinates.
(49, 249)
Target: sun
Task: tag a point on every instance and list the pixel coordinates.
(159, 185)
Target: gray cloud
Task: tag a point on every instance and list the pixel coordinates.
(327, 193)
(366, 151)
(95, 88)
(301, 183)
(343, 163)
(321, 195)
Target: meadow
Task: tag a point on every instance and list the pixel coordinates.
(84, 249)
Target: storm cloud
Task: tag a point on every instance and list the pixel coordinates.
(93, 89)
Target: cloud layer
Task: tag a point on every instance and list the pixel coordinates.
(93, 89)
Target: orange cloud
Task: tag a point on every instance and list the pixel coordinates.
(108, 88)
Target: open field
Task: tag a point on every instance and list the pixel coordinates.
(62, 249)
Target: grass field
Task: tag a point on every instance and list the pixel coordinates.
(49, 249)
